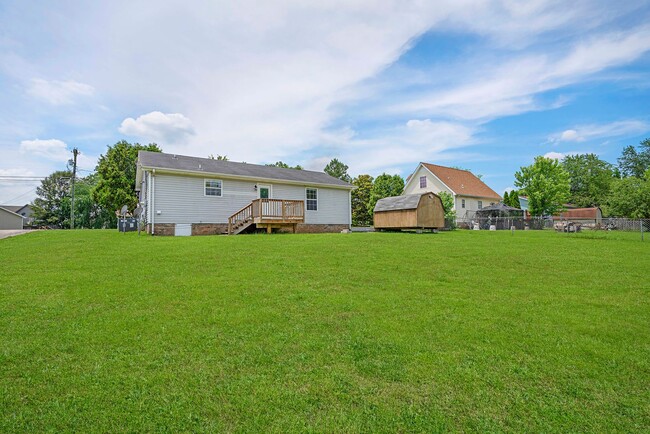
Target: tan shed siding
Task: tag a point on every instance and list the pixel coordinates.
(431, 213)
(396, 219)
(181, 199)
(10, 220)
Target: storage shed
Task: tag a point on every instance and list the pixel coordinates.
(412, 211)
(10, 220)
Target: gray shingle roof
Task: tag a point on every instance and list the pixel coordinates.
(160, 160)
(409, 201)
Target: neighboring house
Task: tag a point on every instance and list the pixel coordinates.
(469, 192)
(200, 196)
(10, 220)
(24, 210)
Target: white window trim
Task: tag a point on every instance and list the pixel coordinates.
(261, 186)
(462, 203)
(425, 181)
(205, 188)
(479, 204)
(306, 199)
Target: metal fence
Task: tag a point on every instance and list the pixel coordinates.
(520, 223)
(503, 223)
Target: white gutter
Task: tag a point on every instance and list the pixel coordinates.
(153, 211)
(350, 208)
(205, 174)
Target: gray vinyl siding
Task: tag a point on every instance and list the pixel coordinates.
(181, 199)
(9, 220)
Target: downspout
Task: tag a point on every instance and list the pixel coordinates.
(350, 209)
(153, 210)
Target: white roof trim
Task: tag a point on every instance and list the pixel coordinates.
(11, 212)
(203, 174)
(432, 174)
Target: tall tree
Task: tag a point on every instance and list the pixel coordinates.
(385, 186)
(506, 198)
(633, 162)
(338, 170)
(513, 199)
(630, 197)
(361, 213)
(590, 179)
(88, 214)
(52, 204)
(284, 165)
(546, 184)
(116, 171)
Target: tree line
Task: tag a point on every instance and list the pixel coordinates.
(585, 180)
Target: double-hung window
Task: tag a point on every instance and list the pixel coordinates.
(311, 195)
(423, 182)
(480, 204)
(462, 203)
(213, 187)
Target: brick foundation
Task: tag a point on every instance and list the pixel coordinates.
(209, 228)
(161, 228)
(319, 229)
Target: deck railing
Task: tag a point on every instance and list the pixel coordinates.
(280, 209)
(242, 216)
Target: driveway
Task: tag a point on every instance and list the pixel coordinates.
(6, 233)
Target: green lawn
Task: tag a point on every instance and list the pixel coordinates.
(459, 331)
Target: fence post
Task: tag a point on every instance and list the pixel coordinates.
(641, 224)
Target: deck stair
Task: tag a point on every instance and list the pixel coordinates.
(269, 214)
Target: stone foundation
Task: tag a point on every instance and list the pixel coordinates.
(209, 228)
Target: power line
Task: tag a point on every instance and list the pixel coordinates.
(21, 195)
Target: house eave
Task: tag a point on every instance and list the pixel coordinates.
(203, 174)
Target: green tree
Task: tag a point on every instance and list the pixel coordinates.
(590, 179)
(283, 165)
(361, 213)
(88, 214)
(546, 184)
(52, 204)
(630, 197)
(633, 162)
(385, 186)
(218, 157)
(116, 171)
(506, 198)
(513, 199)
(447, 204)
(338, 170)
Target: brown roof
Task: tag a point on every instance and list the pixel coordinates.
(462, 182)
(581, 213)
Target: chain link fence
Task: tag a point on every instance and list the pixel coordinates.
(538, 223)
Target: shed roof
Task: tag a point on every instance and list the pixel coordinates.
(13, 208)
(184, 163)
(585, 213)
(394, 203)
(462, 182)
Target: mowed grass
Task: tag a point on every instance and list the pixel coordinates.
(381, 332)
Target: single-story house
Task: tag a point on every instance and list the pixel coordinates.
(469, 192)
(412, 211)
(10, 220)
(182, 195)
(24, 210)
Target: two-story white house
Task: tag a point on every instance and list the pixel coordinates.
(183, 195)
(469, 192)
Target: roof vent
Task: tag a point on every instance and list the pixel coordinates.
(174, 157)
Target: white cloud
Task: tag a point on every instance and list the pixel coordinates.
(555, 155)
(158, 127)
(598, 131)
(59, 92)
(52, 149)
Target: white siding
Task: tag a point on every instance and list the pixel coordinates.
(181, 199)
(433, 183)
(471, 204)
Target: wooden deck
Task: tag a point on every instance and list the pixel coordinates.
(268, 213)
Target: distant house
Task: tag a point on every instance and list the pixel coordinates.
(10, 220)
(585, 215)
(24, 210)
(183, 195)
(469, 192)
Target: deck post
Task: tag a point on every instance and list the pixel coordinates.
(283, 211)
(268, 229)
(229, 226)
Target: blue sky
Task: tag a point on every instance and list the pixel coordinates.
(380, 85)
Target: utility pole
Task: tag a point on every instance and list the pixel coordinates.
(75, 151)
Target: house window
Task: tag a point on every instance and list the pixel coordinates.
(480, 204)
(312, 199)
(213, 187)
(462, 203)
(423, 182)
